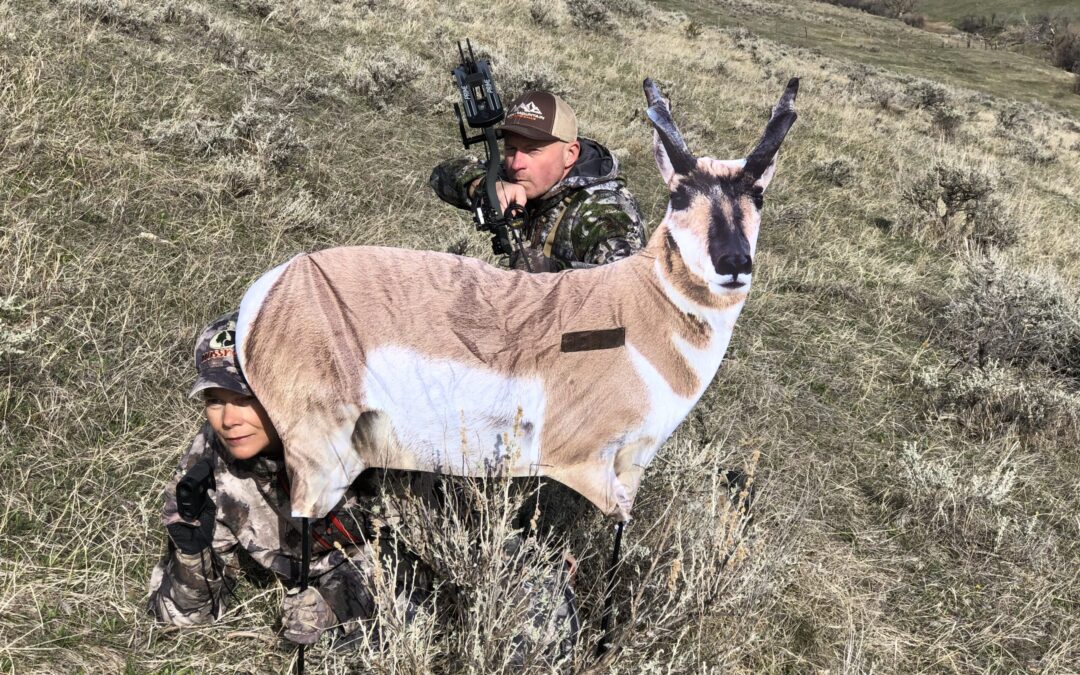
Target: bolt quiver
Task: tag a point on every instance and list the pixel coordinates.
(483, 110)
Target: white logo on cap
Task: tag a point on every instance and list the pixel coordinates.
(223, 339)
(526, 109)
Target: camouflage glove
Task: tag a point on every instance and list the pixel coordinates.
(194, 537)
(305, 615)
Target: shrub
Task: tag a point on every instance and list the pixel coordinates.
(901, 7)
(240, 176)
(859, 73)
(994, 400)
(279, 146)
(881, 94)
(384, 76)
(967, 504)
(925, 94)
(1065, 51)
(971, 23)
(876, 7)
(914, 20)
(633, 8)
(257, 127)
(961, 203)
(1043, 28)
(298, 212)
(590, 15)
(260, 8)
(543, 13)
(516, 76)
(181, 14)
(1035, 151)
(946, 120)
(837, 171)
(13, 335)
(1020, 319)
(122, 15)
(228, 46)
(204, 137)
(492, 579)
(313, 87)
(1012, 118)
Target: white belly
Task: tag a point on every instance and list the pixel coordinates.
(456, 418)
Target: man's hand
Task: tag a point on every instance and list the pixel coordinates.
(305, 615)
(509, 193)
(193, 537)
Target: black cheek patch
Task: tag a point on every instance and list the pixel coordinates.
(590, 340)
(680, 198)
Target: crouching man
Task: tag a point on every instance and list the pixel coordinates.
(578, 212)
(248, 512)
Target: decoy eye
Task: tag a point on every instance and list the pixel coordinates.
(758, 195)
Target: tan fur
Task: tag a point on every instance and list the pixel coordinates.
(466, 311)
(493, 340)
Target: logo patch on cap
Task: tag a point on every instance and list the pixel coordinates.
(527, 109)
(222, 339)
(220, 346)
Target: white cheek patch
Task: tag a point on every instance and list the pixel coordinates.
(457, 418)
(693, 251)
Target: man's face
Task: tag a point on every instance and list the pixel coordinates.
(239, 421)
(538, 165)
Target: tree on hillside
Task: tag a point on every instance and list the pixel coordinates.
(901, 7)
(1065, 51)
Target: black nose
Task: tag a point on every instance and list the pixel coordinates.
(734, 264)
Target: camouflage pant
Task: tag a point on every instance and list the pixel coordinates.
(551, 628)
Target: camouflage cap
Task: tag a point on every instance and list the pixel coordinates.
(215, 357)
(541, 116)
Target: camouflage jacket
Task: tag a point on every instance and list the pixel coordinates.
(588, 218)
(254, 515)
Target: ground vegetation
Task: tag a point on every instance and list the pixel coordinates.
(900, 393)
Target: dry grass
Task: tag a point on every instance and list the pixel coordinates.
(156, 158)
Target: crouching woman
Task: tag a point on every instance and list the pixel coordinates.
(247, 512)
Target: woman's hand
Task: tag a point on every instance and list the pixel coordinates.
(193, 537)
(305, 615)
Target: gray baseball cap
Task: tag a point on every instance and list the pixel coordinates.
(215, 357)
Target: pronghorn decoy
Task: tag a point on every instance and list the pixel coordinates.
(381, 357)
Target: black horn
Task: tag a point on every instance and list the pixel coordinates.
(659, 112)
(783, 116)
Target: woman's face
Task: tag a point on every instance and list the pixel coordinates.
(239, 421)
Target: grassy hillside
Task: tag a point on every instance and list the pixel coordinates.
(859, 37)
(1006, 10)
(903, 379)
